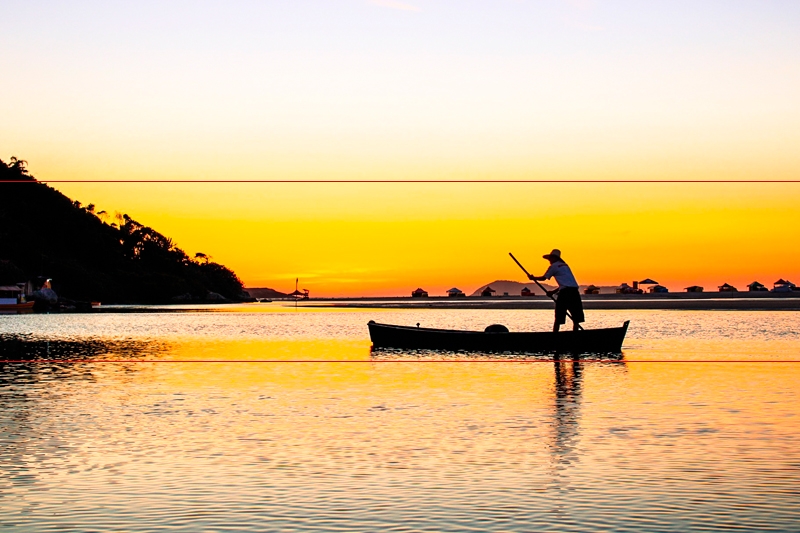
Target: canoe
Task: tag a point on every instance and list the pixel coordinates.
(608, 340)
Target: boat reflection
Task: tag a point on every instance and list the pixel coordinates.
(384, 354)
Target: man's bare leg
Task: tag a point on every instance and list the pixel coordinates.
(556, 326)
(575, 326)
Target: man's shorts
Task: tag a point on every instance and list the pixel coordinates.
(569, 299)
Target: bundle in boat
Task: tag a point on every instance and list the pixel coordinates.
(497, 338)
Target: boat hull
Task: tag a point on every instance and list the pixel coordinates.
(16, 309)
(608, 340)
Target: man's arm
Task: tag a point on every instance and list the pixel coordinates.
(547, 275)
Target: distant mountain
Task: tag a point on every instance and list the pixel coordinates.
(513, 288)
(92, 256)
(265, 292)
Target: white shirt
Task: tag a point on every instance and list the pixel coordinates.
(561, 271)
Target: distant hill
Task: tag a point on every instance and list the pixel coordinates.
(513, 288)
(265, 292)
(92, 256)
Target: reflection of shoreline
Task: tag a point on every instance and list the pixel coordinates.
(30, 349)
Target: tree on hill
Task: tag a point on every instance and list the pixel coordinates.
(44, 233)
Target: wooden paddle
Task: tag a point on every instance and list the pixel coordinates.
(542, 287)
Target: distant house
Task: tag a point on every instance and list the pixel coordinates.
(419, 293)
(783, 285)
(488, 291)
(725, 287)
(694, 288)
(12, 300)
(525, 291)
(756, 287)
(658, 289)
(11, 294)
(627, 289)
(455, 293)
(591, 289)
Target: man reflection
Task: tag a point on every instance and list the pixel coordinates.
(567, 398)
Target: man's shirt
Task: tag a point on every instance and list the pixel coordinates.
(561, 271)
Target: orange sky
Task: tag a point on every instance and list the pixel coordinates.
(423, 90)
(389, 238)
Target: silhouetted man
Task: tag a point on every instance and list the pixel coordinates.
(568, 295)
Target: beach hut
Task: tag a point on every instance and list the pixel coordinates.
(455, 293)
(658, 289)
(525, 292)
(627, 289)
(725, 287)
(591, 289)
(648, 281)
(419, 293)
(694, 288)
(783, 285)
(11, 294)
(488, 291)
(756, 287)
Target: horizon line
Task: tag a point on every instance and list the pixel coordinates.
(36, 180)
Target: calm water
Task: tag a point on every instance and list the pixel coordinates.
(661, 441)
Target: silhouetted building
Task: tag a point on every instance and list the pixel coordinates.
(419, 293)
(694, 288)
(627, 289)
(455, 293)
(591, 289)
(525, 292)
(725, 287)
(783, 285)
(11, 294)
(756, 287)
(488, 291)
(12, 300)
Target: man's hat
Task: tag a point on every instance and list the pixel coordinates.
(554, 255)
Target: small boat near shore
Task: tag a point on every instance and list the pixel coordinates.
(497, 338)
(16, 308)
(12, 300)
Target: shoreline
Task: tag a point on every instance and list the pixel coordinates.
(765, 301)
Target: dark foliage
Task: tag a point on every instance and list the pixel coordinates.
(44, 233)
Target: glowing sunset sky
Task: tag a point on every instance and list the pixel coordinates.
(421, 90)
